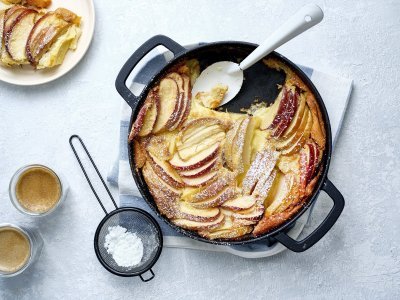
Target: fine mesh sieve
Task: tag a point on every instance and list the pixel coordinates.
(134, 220)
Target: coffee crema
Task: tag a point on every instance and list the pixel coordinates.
(15, 250)
(38, 189)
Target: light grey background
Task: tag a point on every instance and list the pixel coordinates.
(359, 258)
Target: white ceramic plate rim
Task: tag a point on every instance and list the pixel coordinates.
(40, 77)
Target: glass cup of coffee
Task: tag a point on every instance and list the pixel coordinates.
(19, 248)
(37, 190)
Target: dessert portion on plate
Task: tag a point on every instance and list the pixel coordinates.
(32, 35)
(226, 175)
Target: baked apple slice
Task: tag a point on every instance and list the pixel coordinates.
(165, 171)
(140, 154)
(195, 225)
(283, 193)
(8, 20)
(302, 138)
(296, 121)
(253, 213)
(181, 105)
(168, 93)
(226, 234)
(230, 137)
(193, 150)
(264, 185)
(240, 203)
(188, 100)
(201, 170)
(225, 179)
(196, 125)
(159, 146)
(201, 180)
(195, 161)
(291, 140)
(225, 195)
(166, 197)
(10, 17)
(200, 215)
(309, 160)
(198, 137)
(146, 117)
(268, 114)
(2, 14)
(238, 145)
(263, 163)
(285, 116)
(46, 31)
(17, 37)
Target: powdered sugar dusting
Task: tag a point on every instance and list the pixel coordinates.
(125, 247)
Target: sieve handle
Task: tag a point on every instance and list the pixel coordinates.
(148, 279)
(86, 175)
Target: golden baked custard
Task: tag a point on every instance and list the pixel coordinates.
(225, 175)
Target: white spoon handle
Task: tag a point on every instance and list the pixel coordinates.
(304, 19)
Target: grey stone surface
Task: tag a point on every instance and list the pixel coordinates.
(359, 258)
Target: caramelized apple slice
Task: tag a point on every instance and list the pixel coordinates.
(45, 32)
(199, 136)
(268, 114)
(240, 203)
(226, 234)
(195, 225)
(196, 161)
(17, 38)
(166, 197)
(165, 171)
(298, 144)
(264, 185)
(309, 160)
(217, 200)
(201, 180)
(225, 178)
(201, 170)
(196, 125)
(2, 13)
(294, 125)
(146, 117)
(282, 194)
(247, 146)
(286, 116)
(291, 140)
(229, 140)
(191, 151)
(188, 100)
(11, 17)
(200, 215)
(159, 146)
(140, 154)
(251, 214)
(263, 163)
(169, 101)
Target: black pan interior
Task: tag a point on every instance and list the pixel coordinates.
(261, 83)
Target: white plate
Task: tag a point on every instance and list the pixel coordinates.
(27, 76)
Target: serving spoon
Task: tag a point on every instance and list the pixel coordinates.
(230, 74)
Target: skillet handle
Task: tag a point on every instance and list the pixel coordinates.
(120, 82)
(323, 228)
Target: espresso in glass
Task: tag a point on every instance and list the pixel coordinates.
(15, 249)
(37, 190)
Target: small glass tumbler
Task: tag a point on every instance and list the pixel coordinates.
(35, 247)
(13, 195)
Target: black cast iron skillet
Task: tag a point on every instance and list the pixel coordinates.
(260, 83)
